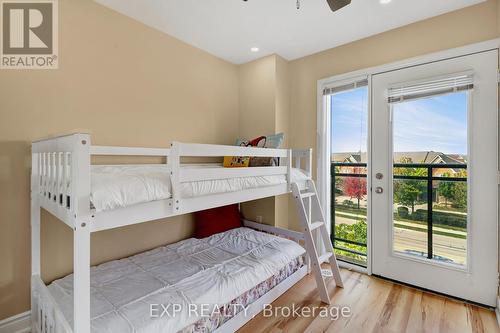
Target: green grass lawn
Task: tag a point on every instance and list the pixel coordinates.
(415, 227)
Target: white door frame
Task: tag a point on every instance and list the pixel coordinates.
(476, 280)
(323, 118)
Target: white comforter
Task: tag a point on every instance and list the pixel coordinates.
(211, 271)
(121, 186)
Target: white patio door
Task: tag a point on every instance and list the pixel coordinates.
(434, 176)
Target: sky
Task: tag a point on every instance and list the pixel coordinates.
(438, 123)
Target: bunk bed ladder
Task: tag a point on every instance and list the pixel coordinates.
(312, 219)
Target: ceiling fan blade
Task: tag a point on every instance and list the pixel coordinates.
(337, 4)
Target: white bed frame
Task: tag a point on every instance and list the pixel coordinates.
(60, 184)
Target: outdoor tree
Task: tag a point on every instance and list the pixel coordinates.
(460, 195)
(453, 191)
(446, 190)
(460, 192)
(408, 192)
(355, 187)
(338, 182)
(356, 232)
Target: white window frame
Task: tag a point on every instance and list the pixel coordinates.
(324, 145)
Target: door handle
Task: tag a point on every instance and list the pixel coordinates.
(379, 190)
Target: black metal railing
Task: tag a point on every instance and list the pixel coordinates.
(361, 169)
(334, 176)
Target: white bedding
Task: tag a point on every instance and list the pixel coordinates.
(212, 271)
(121, 186)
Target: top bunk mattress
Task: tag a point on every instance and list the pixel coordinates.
(121, 186)
(208, 272)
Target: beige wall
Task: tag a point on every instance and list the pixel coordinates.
(265, 109)
(128, 84)
(282, 100)
(282, 116)
(257, 98)
(466, 26)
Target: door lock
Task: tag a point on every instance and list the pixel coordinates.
(379, 190)
(379, 176)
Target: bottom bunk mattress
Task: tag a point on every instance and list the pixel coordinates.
(178, 287)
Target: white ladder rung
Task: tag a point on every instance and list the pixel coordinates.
(325, 257)
(314, 212)
(315, 225)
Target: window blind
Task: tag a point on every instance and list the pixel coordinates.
(431, 87)
(345, 87)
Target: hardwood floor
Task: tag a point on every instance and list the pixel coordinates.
(376, 305)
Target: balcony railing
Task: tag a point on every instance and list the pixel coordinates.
(336, 240)
(426, 174)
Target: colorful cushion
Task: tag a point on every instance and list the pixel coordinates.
(216, 220)
(269, 141)
(236, 161)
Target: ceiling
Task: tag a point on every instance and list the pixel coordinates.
(230, 28)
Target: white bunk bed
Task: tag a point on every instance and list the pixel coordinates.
(61, 184)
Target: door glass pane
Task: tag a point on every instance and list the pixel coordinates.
(349, 117)
(430, 178)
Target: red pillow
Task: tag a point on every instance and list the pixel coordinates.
(216, 220)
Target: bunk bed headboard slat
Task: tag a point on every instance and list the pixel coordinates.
(207, 150)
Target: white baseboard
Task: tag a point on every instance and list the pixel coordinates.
(20, 323)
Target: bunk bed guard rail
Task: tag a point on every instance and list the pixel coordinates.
(61, 174)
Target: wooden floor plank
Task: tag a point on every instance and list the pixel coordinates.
(426, 311)
(377, 306)
(352, 291)
(396, 313)
(454, 317)
(365, 310)
(489, 320)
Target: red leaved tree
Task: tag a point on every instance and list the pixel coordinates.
(355, 187)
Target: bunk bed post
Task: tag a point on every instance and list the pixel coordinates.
(35, 232)
(174, 162)
(308, 168)
(297, 161)
(309, 159)
(289, 169)
(81, 268)
(35, 217)
(80, 201)
(317, 234)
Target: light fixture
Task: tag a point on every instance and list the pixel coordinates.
(385, 2)
(334, 4)
(254, 49)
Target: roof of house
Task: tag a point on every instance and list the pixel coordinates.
(424, 157)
